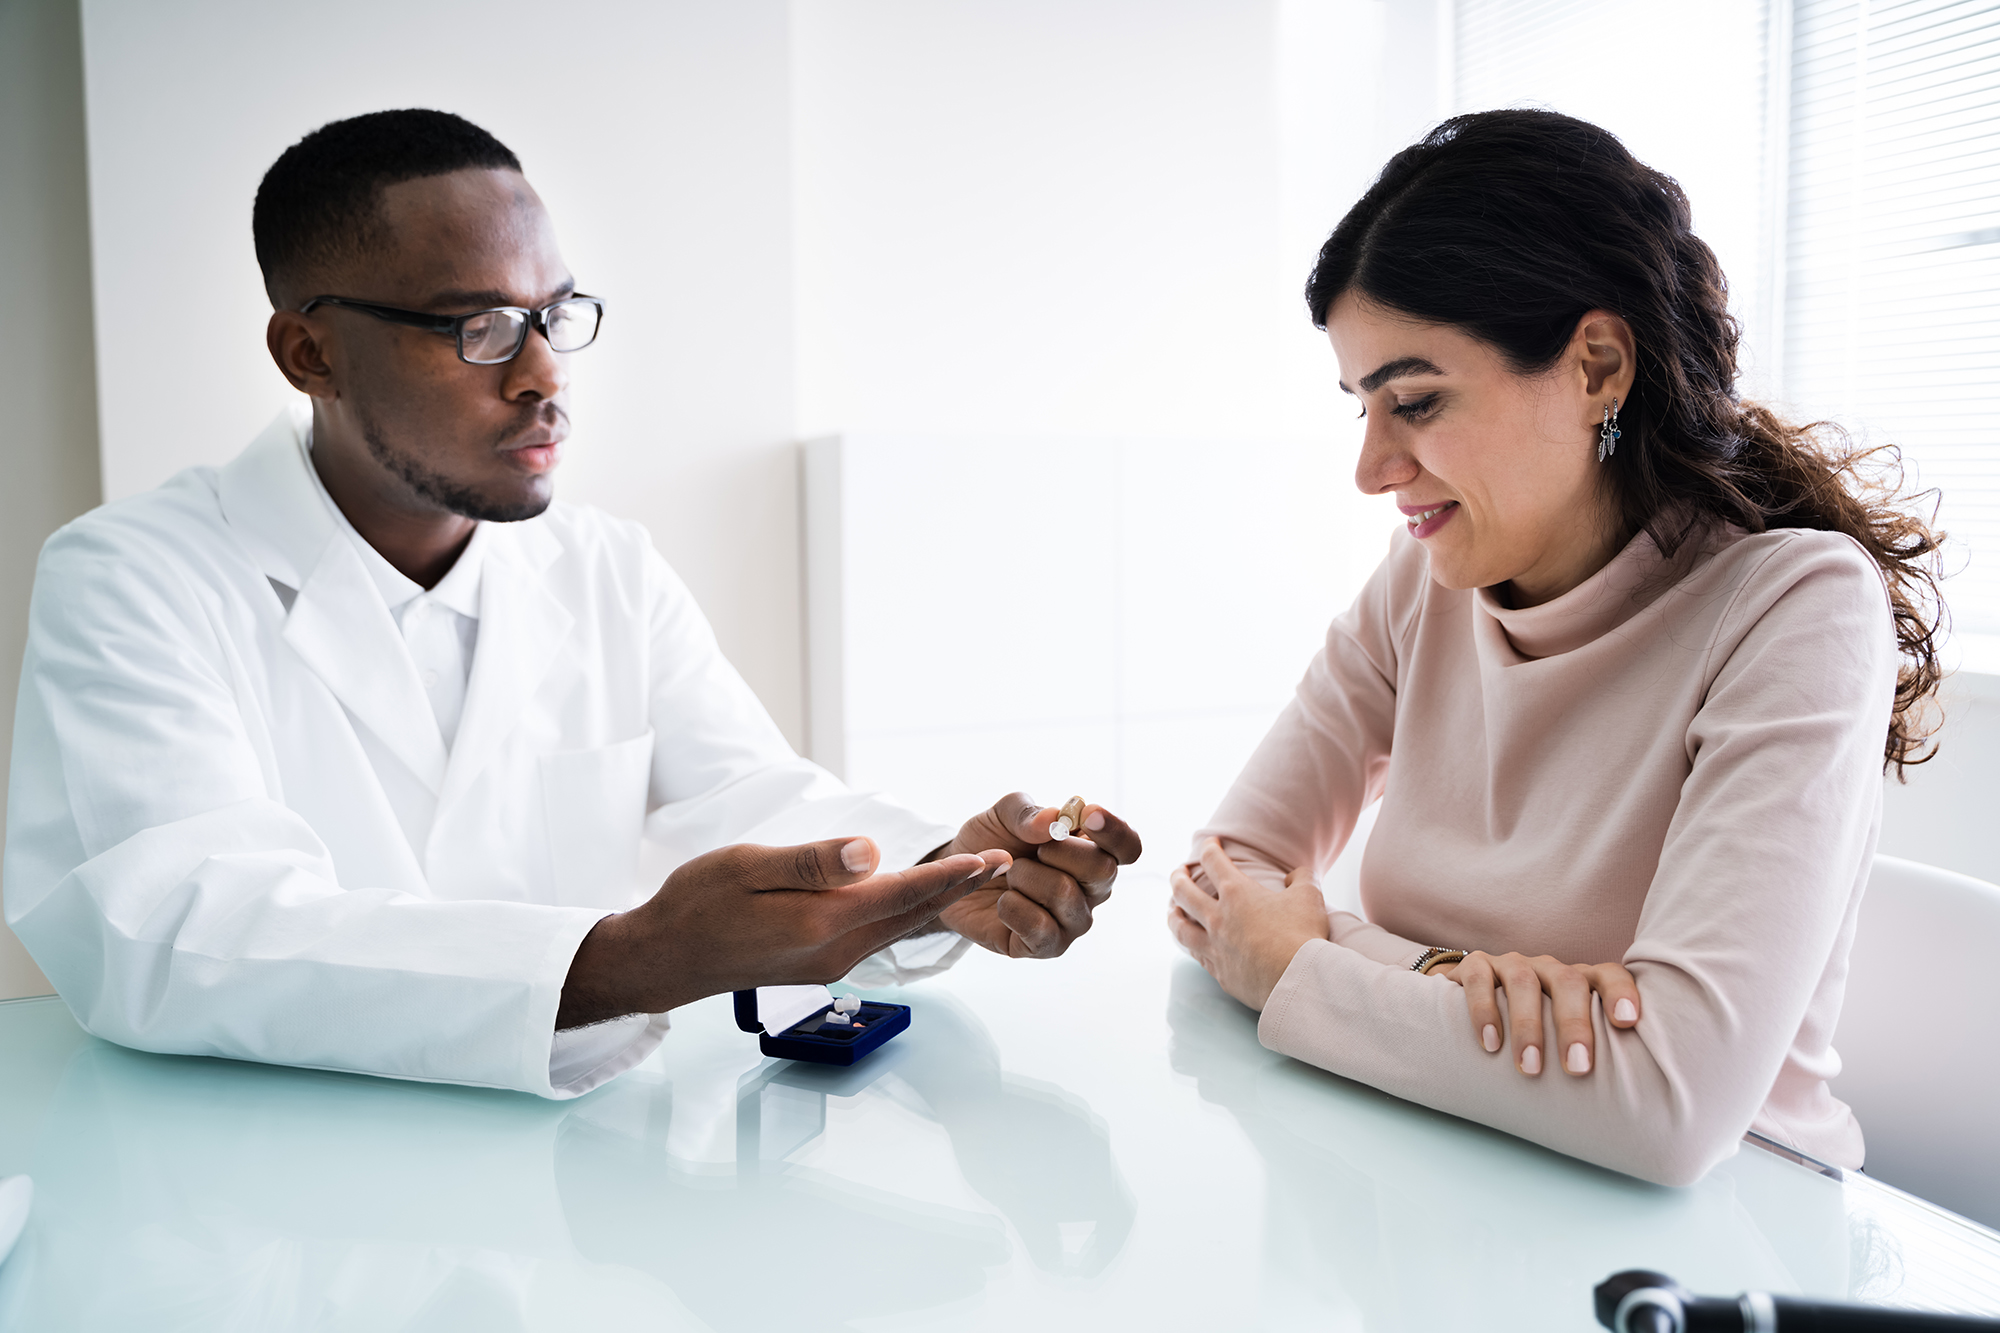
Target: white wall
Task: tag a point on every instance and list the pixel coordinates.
(1044, 217)
(667, 170)
(1050, 264)
(1139, 616)
(1041, 220)
(51, 436)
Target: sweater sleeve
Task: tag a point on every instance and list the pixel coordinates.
(1774, 830)
(1332, 740)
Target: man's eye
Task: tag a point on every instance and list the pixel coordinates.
(1418, 410)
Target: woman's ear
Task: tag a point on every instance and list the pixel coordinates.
(295, 345)
(1603, 350)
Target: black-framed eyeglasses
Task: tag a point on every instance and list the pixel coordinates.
(489, 337)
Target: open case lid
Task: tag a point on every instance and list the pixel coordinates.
(777, 1008)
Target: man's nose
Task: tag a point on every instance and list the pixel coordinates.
(536, 372)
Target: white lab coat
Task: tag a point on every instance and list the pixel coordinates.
(225, 765)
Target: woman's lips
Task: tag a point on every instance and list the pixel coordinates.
(1425, 520)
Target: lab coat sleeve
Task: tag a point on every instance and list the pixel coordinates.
(156, 875)
(723, 773)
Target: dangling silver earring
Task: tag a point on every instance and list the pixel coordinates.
(1608, 433)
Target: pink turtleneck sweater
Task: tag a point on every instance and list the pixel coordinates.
(1677, 765)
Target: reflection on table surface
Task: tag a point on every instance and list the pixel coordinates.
(1094, 1142)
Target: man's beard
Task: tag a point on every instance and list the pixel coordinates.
(442, 491)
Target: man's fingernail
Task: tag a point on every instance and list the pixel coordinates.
(857, 856)
(1531, 1060)
(1579, 1058)
(1094, 821)
(1625, 1012)
(1000, 870)
(1490, 1038)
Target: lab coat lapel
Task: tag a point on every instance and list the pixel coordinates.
(338, 624)
(270, 502)
(522, 628)
(344, 631)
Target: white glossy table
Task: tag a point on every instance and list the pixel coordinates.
(1095, 1143)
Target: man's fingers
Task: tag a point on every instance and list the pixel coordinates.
(1569, 995)
(1475, 973)
(1037, 934)
(1619, 992)
(1026, 818)
(1118, 838)
(873, 936)
(1093, 869)
(930, 887)
(1052, 890)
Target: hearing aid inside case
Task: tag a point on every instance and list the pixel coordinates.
(808, 1023)
(1069, 821)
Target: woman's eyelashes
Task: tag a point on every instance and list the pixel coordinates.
(1417, 410)
(1411, 411)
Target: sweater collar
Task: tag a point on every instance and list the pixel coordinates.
(1597, 606)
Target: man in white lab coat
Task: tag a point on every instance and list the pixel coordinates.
(344, 754)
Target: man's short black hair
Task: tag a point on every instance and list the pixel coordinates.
(317, 205)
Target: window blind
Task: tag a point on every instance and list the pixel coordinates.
(1892, 269)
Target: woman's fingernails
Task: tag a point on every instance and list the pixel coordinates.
(1625, 1011)
(1094, 821)
(1490, 1038)
(1531, 1060)
(1579, 1058)
(857, 855)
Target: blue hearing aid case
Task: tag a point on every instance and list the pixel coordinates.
(799, 1015)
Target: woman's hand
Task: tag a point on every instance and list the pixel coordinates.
(1526, 980)
(1242, 932)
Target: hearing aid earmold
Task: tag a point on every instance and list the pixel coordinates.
(1069, 821)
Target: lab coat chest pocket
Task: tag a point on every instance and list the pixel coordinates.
(595, 804)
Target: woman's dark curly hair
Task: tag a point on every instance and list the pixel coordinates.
(1511, 225)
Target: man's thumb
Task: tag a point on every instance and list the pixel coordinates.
(827, 864)
(858, 855)
(1022, 816)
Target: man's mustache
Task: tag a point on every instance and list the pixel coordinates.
(534, 419)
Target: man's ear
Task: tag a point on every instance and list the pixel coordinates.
(295, 345)
(1606, 354)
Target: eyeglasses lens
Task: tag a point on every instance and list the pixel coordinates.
(572, 325)
(492, 336)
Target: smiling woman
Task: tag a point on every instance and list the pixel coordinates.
(1623, 688)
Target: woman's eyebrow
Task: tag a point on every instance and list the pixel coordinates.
(1389, 370)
